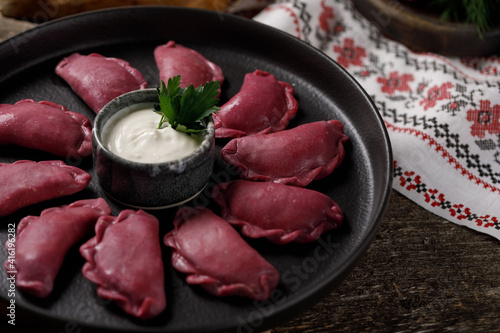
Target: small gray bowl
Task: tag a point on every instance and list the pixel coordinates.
(149, 185)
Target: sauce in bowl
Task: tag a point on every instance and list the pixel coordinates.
(133, 134)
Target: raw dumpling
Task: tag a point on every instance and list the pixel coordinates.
(262, 105)
(43, 241)
(214, 255)
(280, 213)
(24, 183)
(45, 126)
(174, 59)
(124, 260)
(296, 156)
(98, 79)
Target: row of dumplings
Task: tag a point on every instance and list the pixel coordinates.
(42, 242)
(52, 128)
(203, 243)
(270, 200)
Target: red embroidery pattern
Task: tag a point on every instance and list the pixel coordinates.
(349, 54)
(292, 14)
(412, 182)
(395, 82)
(326, 18)
(444, 154)
(485, 65)
(437, 93)
(485, 119)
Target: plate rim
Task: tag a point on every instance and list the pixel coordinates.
(310, 296)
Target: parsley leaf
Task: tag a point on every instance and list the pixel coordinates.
(185, 109)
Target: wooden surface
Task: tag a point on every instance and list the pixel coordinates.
(421, 274)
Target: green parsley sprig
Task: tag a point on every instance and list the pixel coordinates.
(185, 109)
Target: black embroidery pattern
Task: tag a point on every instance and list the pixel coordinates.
(304, 16)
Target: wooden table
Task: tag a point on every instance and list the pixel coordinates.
(421, 274)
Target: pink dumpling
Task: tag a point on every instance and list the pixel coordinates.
(214, 255)
(46, 126)
(42, 242)
(262, 105)
(24, 183)
(98, 79)
(295, 156)
(124, 260)
(174, 59)
(280, 213)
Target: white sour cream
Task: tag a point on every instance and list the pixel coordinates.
(134, 135)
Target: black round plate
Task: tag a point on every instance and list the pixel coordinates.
(361, 186)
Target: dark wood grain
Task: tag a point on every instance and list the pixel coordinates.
(422, 273)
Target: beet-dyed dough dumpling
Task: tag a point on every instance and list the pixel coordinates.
(295, 156)
(124, 260)
(174, 59)
(42, 242)
(262, 105)
(45, 126)
(280, 213)
(98, 79)
(214, 255)
(24, 183)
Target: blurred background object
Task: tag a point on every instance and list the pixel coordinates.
(483, 14)
(44, 10)
(10, 27)
(446, 27)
